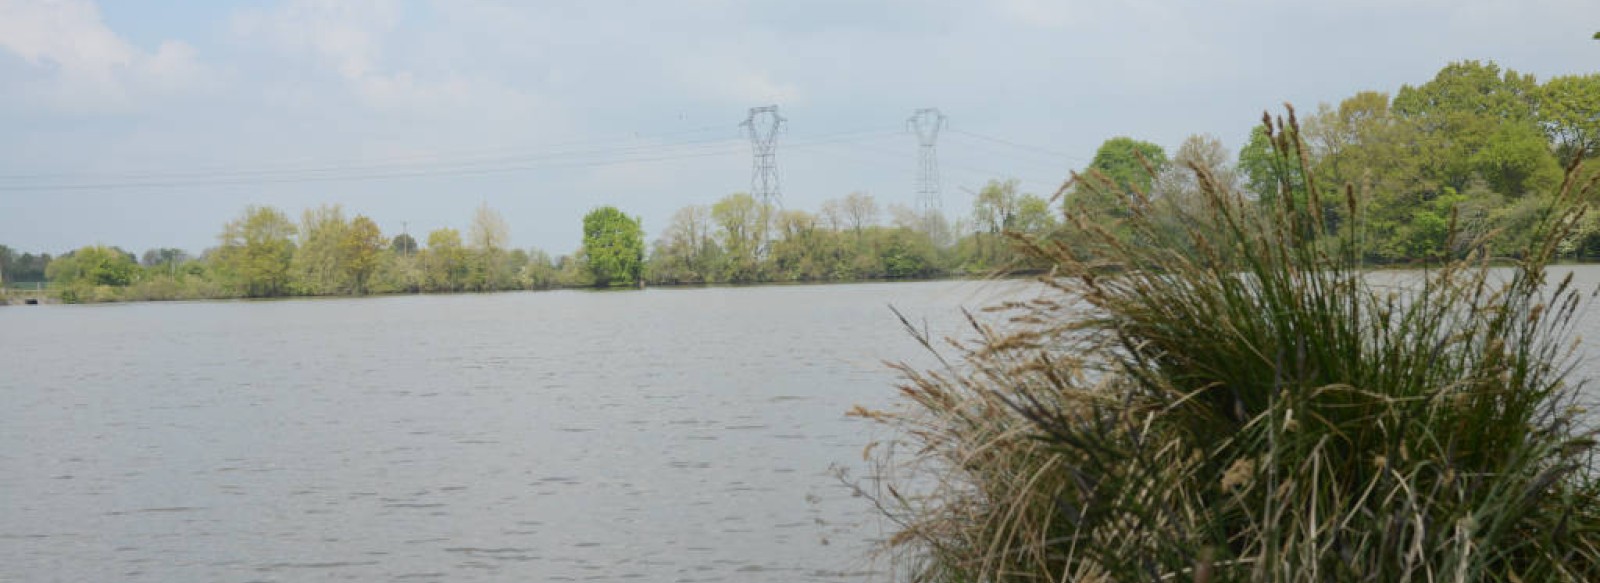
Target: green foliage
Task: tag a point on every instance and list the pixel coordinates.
(318, 262)
(613, 244)
(444, 262)
(403, 244)
(1516, 160)
(1470, 107)
(739, 240)
(1266, 174)
(80, 272)
(1130, 164)
(743, 224)
(487, 267)
(256, 252)
(1476, 146)
(360, 251)
(538, 272)
(1241, 401)
(687, 251)
(1569, 107)
(24, 267)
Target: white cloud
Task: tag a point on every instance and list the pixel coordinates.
(343, 36)
(79, 64)
(742, 86)
(353, 41)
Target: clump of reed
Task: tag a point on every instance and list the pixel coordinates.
(1220, 392)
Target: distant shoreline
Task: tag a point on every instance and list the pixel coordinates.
(11, 299)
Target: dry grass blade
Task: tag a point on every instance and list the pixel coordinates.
(1221, 392)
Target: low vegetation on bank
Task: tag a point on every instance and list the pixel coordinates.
(1218, 388)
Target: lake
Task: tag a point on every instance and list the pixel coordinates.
(662, 435)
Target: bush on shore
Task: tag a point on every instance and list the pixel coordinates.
(1221, 392)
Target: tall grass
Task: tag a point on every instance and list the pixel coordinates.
(1220, 392)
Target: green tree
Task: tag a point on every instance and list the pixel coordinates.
(860, 211)
(1267, 174)
(1470, 107)
(256, 252)
(403, 244)
(318, 258)
(163, 257)
(1124, 161)
(538, 272)
(995, 208)
(613, 242)
(994, 212)
(802, 250)
(94, 265)
(1125, 166)
(687, 250)
(488, 237)
(1470, 88)
(360, 251)
(1569, 110)
(444, 262)
(908, 253)
(1034, 216)
(742, 224)
(26, 267)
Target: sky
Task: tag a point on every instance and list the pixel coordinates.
(153, 123)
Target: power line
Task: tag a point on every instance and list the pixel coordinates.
(988, 151)
(546, 159)
(327, 169)
(976, 170)
(463, 171)
(569, 159)
(488, 155)
(1017, 145)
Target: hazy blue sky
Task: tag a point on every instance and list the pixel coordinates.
(152, 123)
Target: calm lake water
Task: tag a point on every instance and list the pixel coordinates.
(663, 435)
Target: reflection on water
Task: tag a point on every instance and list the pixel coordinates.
(665, 435)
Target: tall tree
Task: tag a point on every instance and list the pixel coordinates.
(256, 251)
(860, 211)
(1478, 121)
(444, 262)
(403, 244)
(360, 251)
(488, 237)
(687, 250)
(613, 242)
(742, 228)
(1569, 110)
(317, 264)
(1130, 164)
(995, 208)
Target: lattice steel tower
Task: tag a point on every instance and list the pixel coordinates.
(763, 126)
(926, 123)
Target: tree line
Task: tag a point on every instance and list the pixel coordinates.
(1477, 147)
(263, 252)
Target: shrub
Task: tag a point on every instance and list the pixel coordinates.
(1230, 396)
